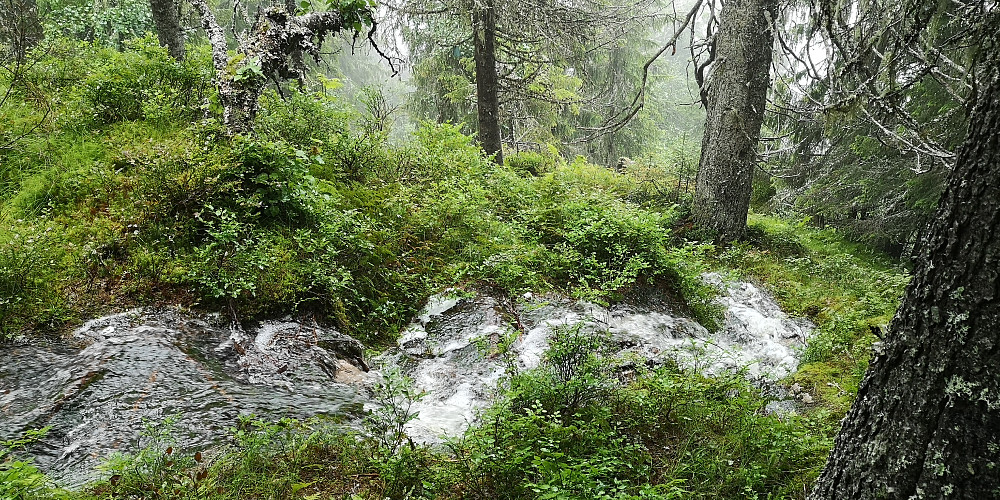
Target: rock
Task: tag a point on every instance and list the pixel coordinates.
(288, 352)
(144, 365)
(348, 373)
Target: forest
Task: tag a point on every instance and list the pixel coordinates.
(554, 249)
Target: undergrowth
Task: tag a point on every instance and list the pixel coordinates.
(851, 292)
(126, 196)
(582, 425)
(130, 193)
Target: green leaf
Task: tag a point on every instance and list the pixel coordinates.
(298, 486)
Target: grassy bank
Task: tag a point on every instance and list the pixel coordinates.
(125, 196)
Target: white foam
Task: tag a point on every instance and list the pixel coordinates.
(756, 339)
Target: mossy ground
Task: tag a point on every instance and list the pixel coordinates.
(128, 195)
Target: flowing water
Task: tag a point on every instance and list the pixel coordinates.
(117, 373)
(448, 350)
(144, 366)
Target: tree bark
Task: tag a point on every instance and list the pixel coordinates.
(926, 421)
(737, 93)
(166, 17)
(487, 79)
(296, 57)
(268, 54)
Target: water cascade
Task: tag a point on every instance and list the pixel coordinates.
(448, 351)
(125, 370)
(98, 390)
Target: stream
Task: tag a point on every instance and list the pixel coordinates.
(442, 351)
(99, 389)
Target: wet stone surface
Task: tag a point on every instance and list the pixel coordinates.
(143, 366)
(98, 389)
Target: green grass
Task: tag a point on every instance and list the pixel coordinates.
(131, 198)
(567, 429)
(308, 216)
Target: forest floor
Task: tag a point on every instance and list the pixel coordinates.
(125, 196)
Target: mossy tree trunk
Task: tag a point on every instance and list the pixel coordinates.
(272, 52)
(926, 421)
(166, 17)
(487, 78)
(737, 94)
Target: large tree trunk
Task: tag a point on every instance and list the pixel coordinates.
(166, 17)
(926, 421)
(487, 79)
(737, 93)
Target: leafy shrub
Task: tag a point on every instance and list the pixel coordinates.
(267, 458)
(554, 436)
(262, 460)
(662, 181)
(158, 469)
(303, 120)
(714, 435)
(105, 24)
(386, 423)
(364, 159)
(605, 245)
(445, 152)
(20, 478)
(144, 82)
(535, 454)
(573, 376)
(530, 163)
(778, 238)
(238, 262)
(268, 182)
(29, 281)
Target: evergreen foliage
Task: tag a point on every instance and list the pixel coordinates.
(140, 203)
(131, 193)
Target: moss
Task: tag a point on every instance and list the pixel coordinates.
(138, 205)
(831, 384)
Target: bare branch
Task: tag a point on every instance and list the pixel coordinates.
(620, 119)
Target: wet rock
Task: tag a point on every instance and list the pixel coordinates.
(441, 351)
(288, 353)
(116, 373)
(781, 407)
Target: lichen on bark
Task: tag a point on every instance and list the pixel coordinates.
(271, 52)
(926, 421)
(736, 96)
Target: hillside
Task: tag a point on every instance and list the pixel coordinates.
(129, 193)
